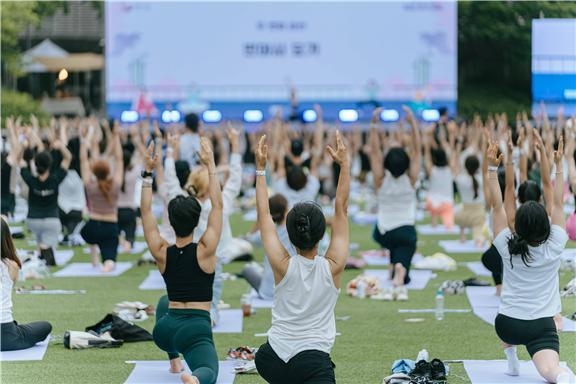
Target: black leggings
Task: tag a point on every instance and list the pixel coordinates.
(536, 335)
(127, 223)
(493, 262)
(15, 337)
(70, 220)
(307, 367)
(401, 242)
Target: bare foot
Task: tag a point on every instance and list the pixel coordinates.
(94, 256)
(108, 266)
(189, 379)
(176, 366)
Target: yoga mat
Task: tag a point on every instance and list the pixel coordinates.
(33, 353)
(258, 302)
(61, 256)
(479, 269)
(493, 371)
(377, 259)
(419, 277)
(88, 270)
(230, 321)
(485, 303)
(155, 372)
(438, 230)
(154, 281)
(455, 246)
(569, 254)
(363, 218)
(14, 229)
(137, 248)
(49, 292)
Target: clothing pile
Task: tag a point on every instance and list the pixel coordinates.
(438, 261)
(133, 311)
(244, 357)
(363, 286)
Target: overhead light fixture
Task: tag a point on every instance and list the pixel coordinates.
(212, 116)
(430, 115)
(129, 116)
(389, 115)
(171, 116)
(348, 115)
(253, 116)
(309, 116)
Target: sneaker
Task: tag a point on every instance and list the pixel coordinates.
(438, 370)
(422, 369)
(401, 293)
(386, 295)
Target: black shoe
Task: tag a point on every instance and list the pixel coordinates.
(438, 370)
(422, 369)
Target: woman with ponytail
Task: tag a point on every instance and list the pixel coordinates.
(307, 285)
(102, 191)
(531, 259)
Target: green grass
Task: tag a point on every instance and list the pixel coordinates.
(374, 336)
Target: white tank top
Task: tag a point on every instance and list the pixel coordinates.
(7, 285)
(303, 312)
(396, 203)
(441, 189)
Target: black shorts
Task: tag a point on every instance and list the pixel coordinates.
(536, 334)
(307, 367)
(401, 242)
(105, 235)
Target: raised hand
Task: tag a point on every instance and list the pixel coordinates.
(409, 113)
(233, 137)
(376, 115)
(559, 153)
(150, 158)
(340, 155)
(206, 155)
(492, 154)
(261, 153)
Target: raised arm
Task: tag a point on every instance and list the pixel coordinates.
(275, 251)
(499, 221)
(66, 155)
(509, 192)
(209, 240)
(376, 161)
(569, 153)
(544, 172)
(156, 244)
(557, 215)
(85, 171)
(171, 183)
(234, 183)
(485, 184)
(337, 251)
(118, 158)
(414, 170)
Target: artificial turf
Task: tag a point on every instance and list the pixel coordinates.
(373, 336)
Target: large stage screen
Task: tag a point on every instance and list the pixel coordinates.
(554, 65)
(238, 55)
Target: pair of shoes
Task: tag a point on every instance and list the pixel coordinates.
(401, 293)
(428, 372)
(453, 287)
(242, 353)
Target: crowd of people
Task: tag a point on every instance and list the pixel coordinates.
(95, 182)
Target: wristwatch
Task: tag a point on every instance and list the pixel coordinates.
(145, 174)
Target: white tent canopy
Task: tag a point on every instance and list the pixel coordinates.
(45, 49)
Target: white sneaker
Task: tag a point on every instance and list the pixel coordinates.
(401, 293)
(385, 294)
(423, 355)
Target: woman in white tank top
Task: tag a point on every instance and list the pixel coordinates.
(307, 285)
(394, 179)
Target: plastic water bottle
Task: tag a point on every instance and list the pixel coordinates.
(361, 289)
(439, 304)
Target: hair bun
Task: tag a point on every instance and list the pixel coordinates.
(303, 224)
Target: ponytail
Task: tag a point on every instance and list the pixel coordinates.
(519, 246)
(105, 186)
(475, 185)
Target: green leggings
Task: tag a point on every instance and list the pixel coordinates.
(189, 332)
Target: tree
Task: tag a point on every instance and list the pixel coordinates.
(494, 50)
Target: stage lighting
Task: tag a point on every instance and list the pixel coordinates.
(389, 115)
(129, 116)
(171, 116)
(430, 115)
(309, 116)
(212, 116)
(253, 116)
(348, 115)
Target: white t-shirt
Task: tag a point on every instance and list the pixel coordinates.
(396, 203)
(71, 194)
(441, 189)
(466, 188)
(7, 284)
(189, 146)
(308, 193)
(532, 292)
(303, 312)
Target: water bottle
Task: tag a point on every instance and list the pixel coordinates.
(361, 289)
(439, 304)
